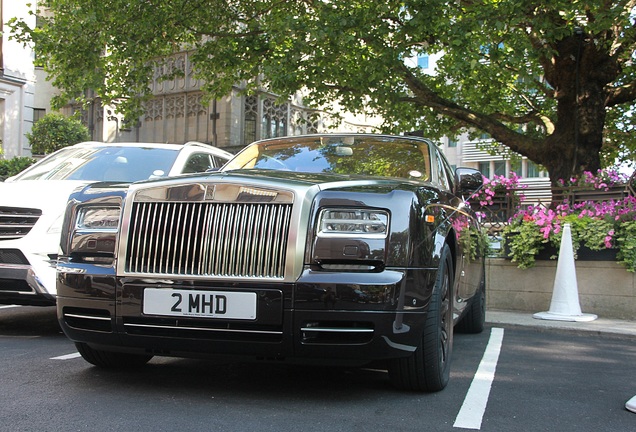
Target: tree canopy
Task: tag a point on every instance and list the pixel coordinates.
(553, 81)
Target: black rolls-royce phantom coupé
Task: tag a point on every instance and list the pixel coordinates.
(326, 249)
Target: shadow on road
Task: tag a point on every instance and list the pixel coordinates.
(204, 377)
(29, 321)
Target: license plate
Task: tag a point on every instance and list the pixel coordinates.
(201, 304)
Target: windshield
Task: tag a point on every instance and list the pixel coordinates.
(351, 155)
(109, 163)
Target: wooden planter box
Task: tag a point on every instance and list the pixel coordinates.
(605, 288)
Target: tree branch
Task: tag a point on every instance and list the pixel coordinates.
(424, 96)
(619, 95)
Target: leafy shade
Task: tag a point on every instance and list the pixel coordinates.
(54, 131)
(553, 81)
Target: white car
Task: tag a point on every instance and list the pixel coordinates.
(32, 203)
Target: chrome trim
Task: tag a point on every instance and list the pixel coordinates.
(227, 238)
(26, 219)
(336, 330)
(165, 327)
(88, 317)
(227, 190)
(213, 192)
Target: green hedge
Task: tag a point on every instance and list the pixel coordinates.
(54, 131)
(11, 167)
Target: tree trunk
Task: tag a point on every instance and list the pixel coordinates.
(581, 72)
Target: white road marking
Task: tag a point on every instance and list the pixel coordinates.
(66, 357)
(10, 306)
(472, 410)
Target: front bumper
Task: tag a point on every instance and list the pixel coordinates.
(25, 284)
(324, 317)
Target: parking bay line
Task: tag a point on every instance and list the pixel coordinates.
(66, 357)
(472, 411)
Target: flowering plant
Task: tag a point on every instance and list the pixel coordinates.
(606, 224)
(473, 238)
(604, 179)
(498, 186)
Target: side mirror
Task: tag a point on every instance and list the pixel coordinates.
(468, 181)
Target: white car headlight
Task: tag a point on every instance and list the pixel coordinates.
(353, 222)
(56, 226)
(98, 218)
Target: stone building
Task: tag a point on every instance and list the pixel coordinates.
(179, 112)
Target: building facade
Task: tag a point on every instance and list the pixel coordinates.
(179, 112)
(17, 83)
(477, 153)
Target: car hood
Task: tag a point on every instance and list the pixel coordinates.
(46, 195)
(323, 180)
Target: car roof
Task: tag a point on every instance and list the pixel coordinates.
(127, 144)
(172, 146)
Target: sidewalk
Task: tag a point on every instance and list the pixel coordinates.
(600, 326)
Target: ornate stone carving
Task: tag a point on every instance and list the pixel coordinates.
(153, 109)
(195, 106)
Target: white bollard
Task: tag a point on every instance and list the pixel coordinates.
(565, 295)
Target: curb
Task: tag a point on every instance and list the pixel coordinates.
(602, 327)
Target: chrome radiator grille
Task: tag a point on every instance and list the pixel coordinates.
(208, 239)
(17, 222)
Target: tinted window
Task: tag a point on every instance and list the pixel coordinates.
(198, 162)
(442, 176)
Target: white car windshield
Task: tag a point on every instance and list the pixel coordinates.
(108, 163)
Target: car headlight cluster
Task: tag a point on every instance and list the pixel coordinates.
(353, 222)
(94, 235)
(350, 239)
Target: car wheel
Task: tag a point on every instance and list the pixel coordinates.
(428, 368)
(108, 359)
(475, 318)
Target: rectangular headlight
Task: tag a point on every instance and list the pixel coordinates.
(98, 218)
(354, 222)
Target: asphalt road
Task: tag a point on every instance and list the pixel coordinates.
(504, 379)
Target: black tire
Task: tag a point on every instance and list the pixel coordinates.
(428, 368)
(474, 319)
(109, 359)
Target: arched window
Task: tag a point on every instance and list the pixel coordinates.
(274, 120)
